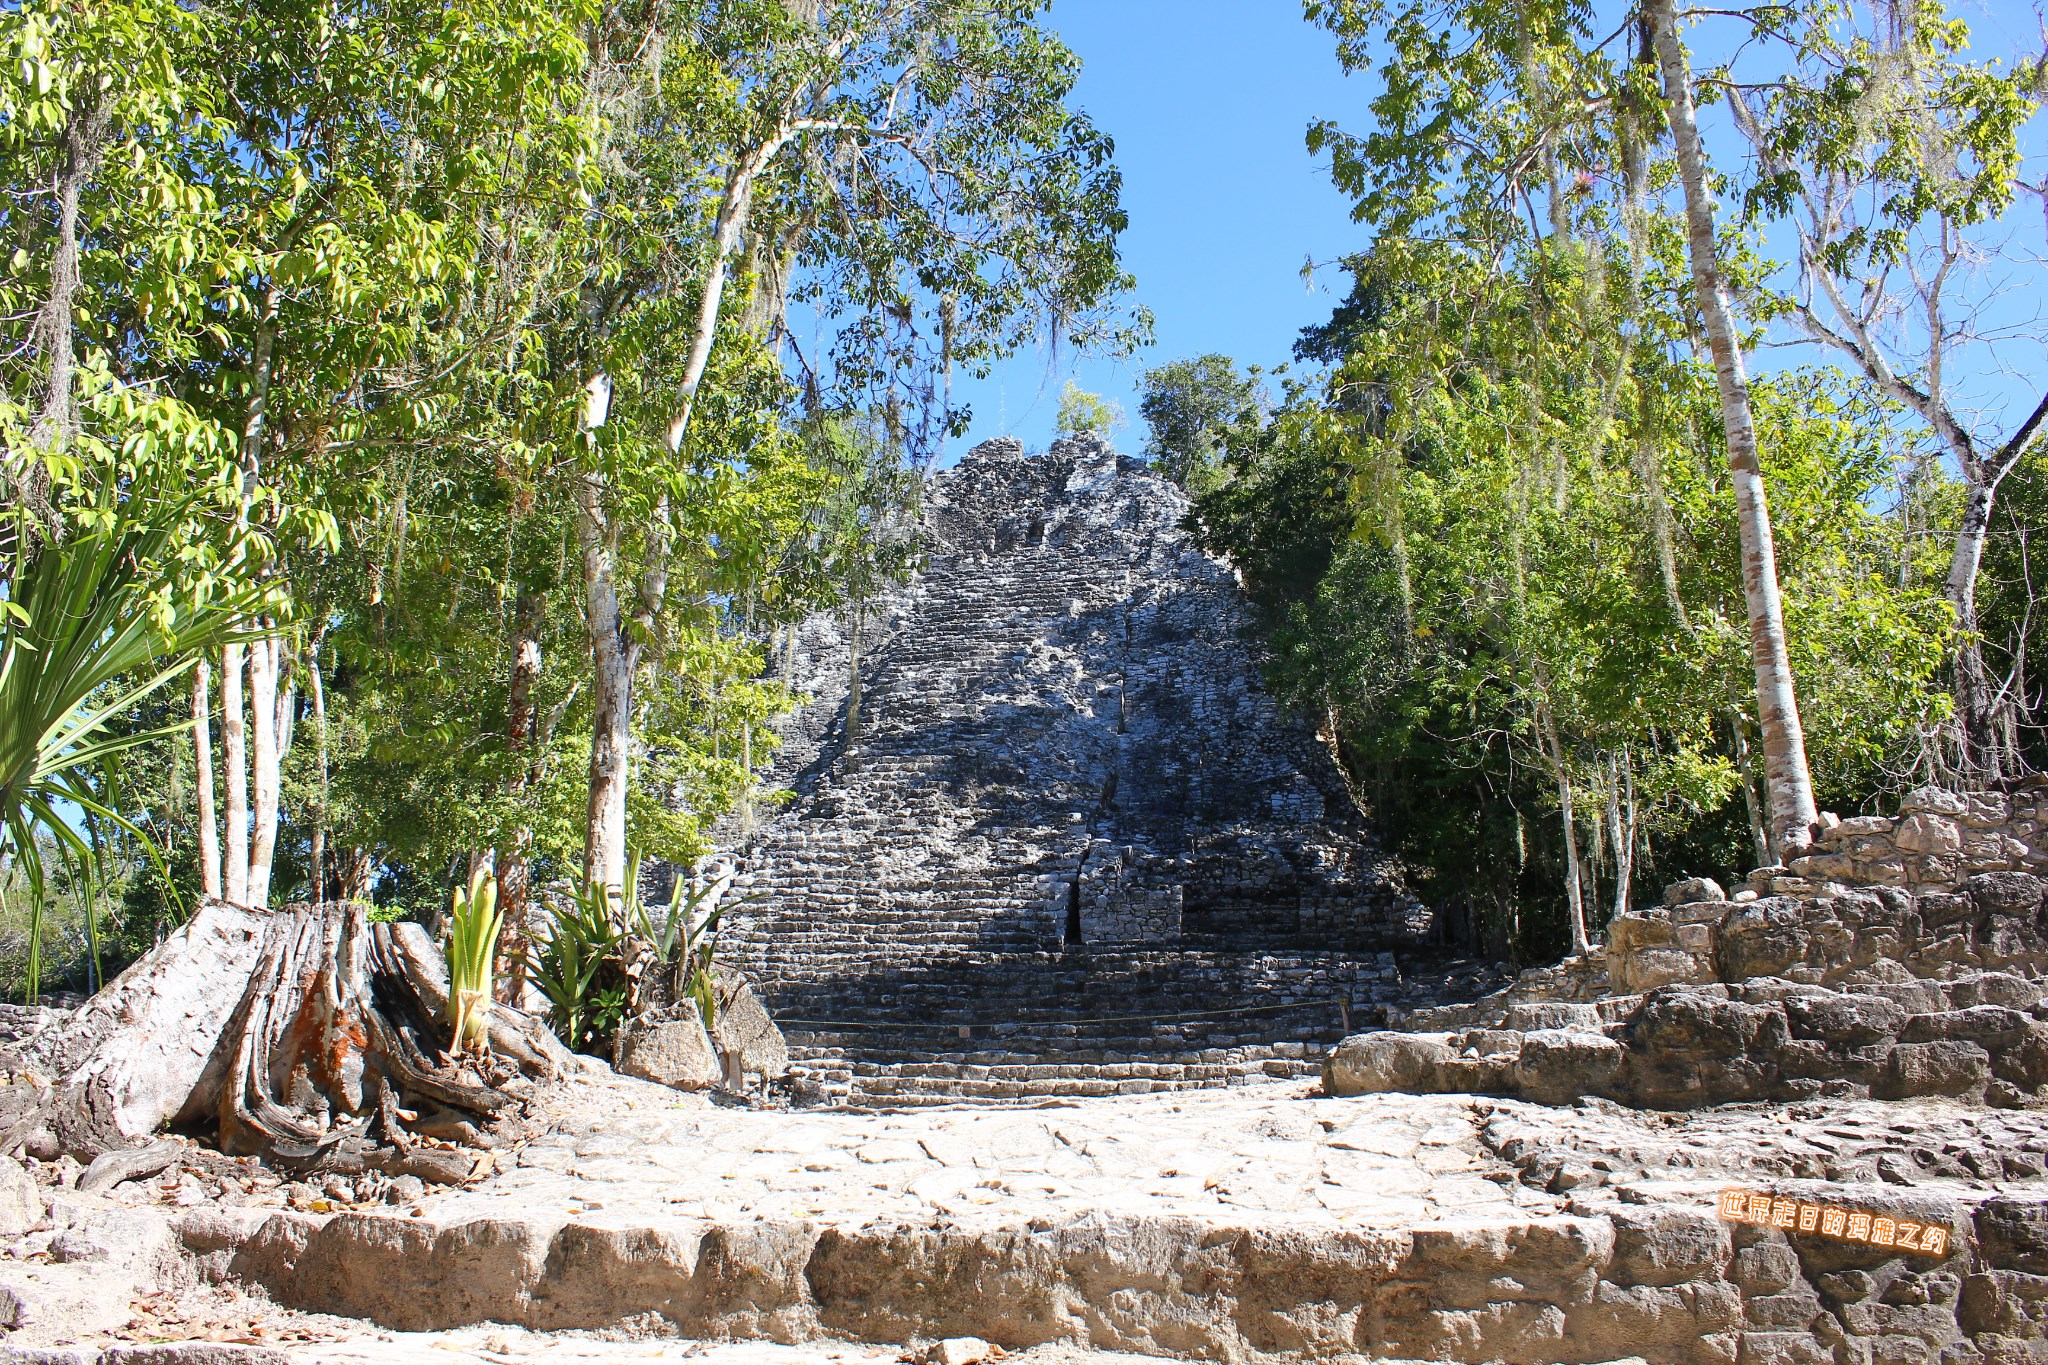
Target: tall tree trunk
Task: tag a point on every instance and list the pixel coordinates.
(735, 202)
(317, 872)
(202, 781)
(1574, 884)
(613, 659)
(613, 656)
(56, 422)
(514, 865)
(263, 767)
(234, 757)
(1621, 819)
(1649, 468)
(1791, 785)
(1984, 757)
(1759, 837)
(355, 874)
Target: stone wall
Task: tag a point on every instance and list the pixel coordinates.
(1944, 888)
(1066, 748)
(1938, 839)
(1904, 957)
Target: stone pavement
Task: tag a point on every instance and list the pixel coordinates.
(625, 1151)
(1267, 1222)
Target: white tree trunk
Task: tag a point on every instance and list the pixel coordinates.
(1621, 818)
(1791, 785)
(234, 755)
(1574, 885)
(202, 783)
(316, 874)
(613, 657)
(263, 767)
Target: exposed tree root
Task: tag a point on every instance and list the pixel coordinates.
(333, 1057)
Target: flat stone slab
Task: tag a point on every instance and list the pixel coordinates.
(1262, 1222)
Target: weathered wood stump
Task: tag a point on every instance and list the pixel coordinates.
(309, 1036)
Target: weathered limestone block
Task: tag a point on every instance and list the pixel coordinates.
(1664, 1244)
(1762, 938)
(1653, 949)
(2012, 1233)
(1989, 1026)
(1376, 1063)
(1947, 1067)
(674, 1051)
(1691, 890)
(1928, 834)
(1823, 866)
(1844, 1020)
(1932, 801)
(21, 1203)
(1559, 1066)
(747, 1038)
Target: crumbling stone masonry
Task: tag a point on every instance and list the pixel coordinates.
(1904, 957)
(1069, 794)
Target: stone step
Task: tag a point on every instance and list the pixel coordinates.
(869, 1076)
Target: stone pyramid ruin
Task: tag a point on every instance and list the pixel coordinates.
(1069, 794)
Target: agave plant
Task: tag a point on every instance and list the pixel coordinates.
(90, 627)
(472, 946)
(688, 934)
(583, 935)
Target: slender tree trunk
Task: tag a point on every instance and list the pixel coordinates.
(1791, 785)
(514, 865)
(56, 422)
(1759, 837)
(202, 766)
(1622, 821)
(317, 872)
(234, 757)
(735, 202)
(613, 656)
(1977, 707)
(613, 659)
(1574, 886)
(263, 767)
(1649, 469)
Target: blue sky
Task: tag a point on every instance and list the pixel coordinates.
(1208, 101)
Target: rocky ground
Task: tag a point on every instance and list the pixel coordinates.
(1266, 1221)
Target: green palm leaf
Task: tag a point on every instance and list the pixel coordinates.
(86, 618)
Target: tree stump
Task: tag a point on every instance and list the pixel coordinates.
(309, 1036)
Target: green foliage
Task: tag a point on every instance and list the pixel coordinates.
(1460, 534)
(1195, 409)
(91, 627)
(473, 925)
(582, 938)
(1081, 412)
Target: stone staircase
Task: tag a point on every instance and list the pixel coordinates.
(850, 1070)
(1026, 1028)
(1073, 846)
